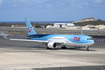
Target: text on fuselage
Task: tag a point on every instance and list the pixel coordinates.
(77, 38)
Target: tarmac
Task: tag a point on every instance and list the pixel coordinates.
(16, 55)
(55, 31)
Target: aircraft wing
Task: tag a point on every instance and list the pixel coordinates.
(29, 40)
(40, 41)
(23, 39)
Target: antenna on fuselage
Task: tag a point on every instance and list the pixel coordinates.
(81, 33)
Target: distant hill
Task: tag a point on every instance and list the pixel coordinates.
(89, 21)
(86, 19)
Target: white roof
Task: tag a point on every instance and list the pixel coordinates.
(60, 23)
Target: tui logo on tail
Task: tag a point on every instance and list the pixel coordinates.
(29, 29)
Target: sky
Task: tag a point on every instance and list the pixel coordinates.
(51, 10)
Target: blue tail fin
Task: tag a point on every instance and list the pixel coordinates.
(30, 29)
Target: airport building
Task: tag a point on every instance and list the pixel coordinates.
(61, 25)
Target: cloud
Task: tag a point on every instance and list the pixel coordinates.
(19, 3)
(0, 1)
(19, 0)
(67, 4)
(23, 0)
(52, 4)
(98, 1)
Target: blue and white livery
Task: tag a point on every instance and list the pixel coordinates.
(52, 40)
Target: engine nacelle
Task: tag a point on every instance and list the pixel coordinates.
(51, 45)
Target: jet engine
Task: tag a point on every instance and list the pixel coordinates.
(51, 45)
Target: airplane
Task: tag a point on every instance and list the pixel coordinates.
(53, 40)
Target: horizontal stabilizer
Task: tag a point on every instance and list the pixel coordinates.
(3, 35)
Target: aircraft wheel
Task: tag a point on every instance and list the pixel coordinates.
(47, 48)
(76, 47)
(87, 48)
(64, 47)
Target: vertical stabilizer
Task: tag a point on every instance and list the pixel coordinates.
(30, 29)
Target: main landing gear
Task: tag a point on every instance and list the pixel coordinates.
(64, 47)
(87, 48)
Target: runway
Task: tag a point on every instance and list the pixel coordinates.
(16, 55)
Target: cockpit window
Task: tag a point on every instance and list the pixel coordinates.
(89, 39)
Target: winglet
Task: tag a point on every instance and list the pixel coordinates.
(81, 33)
(3, 35)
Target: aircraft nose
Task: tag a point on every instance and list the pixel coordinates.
(92, 42)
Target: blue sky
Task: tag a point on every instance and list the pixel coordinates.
(51, 10)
